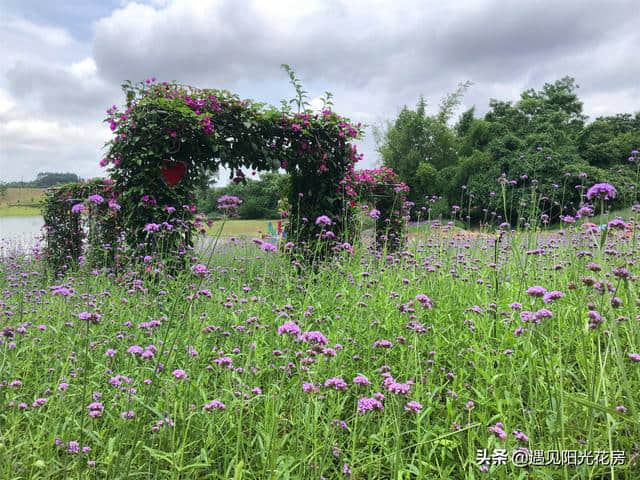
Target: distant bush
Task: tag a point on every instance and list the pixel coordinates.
(259, 197)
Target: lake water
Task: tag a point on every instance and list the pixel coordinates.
(22, 233)
(19, 233)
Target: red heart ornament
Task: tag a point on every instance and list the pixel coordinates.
(173, 172)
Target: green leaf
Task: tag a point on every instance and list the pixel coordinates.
(597, 406)
(160, 455)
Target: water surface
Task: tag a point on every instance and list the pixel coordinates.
(19, 233)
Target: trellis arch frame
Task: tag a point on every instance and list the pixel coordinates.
(81, 221)
(168, 128)
(382, 189)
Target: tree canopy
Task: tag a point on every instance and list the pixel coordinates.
(541, 143)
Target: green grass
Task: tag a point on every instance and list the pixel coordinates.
(21, 202)
(243, 228)
(625, 213)
(559, 381)
(10, 211)
(424, 227)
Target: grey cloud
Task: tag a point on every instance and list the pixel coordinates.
(374, 56)
(56, 90)
(351, 49)
(238, 43)
(26, 163)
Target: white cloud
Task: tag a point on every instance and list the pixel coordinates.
(31, 145)
(6, 103)
(26, 41)
(84, 69)
(53, 36)
(38, 134)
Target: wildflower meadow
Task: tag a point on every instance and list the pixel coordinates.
(369, 339)
(373, 365)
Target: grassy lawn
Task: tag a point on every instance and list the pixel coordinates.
(626, 214)
(6, 211)
(21, 202)
(243, 228)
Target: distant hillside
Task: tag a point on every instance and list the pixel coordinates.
(21, 201)
(46, 179)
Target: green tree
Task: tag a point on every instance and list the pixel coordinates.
(608, 140)
(540, 143)
(417, 142)
(49, 179)
(259, 197)
(536, 142)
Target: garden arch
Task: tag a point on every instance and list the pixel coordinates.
(169, 138)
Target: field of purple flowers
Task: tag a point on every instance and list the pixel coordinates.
(373, 366)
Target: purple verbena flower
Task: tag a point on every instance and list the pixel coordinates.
(323, 220)
(413, 406)
(602, 190)
(382, 344)
(361, 380)
(78, 208)
(200, 269)
(336, 383)
(424, 301)
(367, 404)
(95, 409)
(179, 373)
(151, 227)
(214, 405)
(289, 327)
(498, 431)
(520, 436)
(552, 295)
(314, 336)
(536, 291)
(229, 202)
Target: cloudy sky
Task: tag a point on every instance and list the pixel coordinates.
(63, 62)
